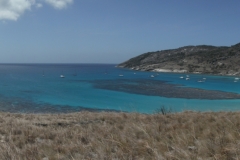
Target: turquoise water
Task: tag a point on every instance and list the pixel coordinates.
(39, 88)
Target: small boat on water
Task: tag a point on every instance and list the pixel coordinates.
(181, 77)
(120, 75)
(62, 76)
(152, 76)
(187, 78)
(202, 80)
(236, 79)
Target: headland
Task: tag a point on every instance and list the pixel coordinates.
(201, 59)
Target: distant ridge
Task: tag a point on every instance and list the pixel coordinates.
(203, 59)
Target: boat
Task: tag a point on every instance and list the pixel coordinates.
(120, 75)
(62, 76)
(152, 76)
(187, 78)
(236, 79)
(181, 77)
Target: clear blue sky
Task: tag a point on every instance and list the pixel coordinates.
(111, 31)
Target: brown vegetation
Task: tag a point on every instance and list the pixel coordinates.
(86, 135)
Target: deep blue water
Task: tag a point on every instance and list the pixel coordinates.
(39, 88)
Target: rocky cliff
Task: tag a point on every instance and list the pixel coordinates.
(191, 59)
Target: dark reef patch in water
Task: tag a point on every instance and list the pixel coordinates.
(19, 105)
(30, 91)
(162, 89)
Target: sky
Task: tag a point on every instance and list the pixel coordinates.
(111, 31)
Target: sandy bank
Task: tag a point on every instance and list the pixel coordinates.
(169, 70)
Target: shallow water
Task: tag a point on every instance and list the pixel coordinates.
(39, 88)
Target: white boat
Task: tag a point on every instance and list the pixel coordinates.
(235, 81)
(152, 76)
(187, 78)
(62, 76)
(181, 77)
(120, 75)
(236, 78)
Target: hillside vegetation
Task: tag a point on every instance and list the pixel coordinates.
(192, 59)
(86, 135)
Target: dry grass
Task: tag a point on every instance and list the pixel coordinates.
(85, 135)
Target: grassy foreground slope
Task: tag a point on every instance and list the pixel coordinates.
(86, 135)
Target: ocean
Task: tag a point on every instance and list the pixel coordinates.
(38, 88)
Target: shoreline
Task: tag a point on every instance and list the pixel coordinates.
(162, 70)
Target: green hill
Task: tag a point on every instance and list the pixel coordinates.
(191, 59)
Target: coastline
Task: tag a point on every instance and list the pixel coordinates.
(202, 59)
(164, 70)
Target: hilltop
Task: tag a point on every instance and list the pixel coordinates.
(203, 59)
